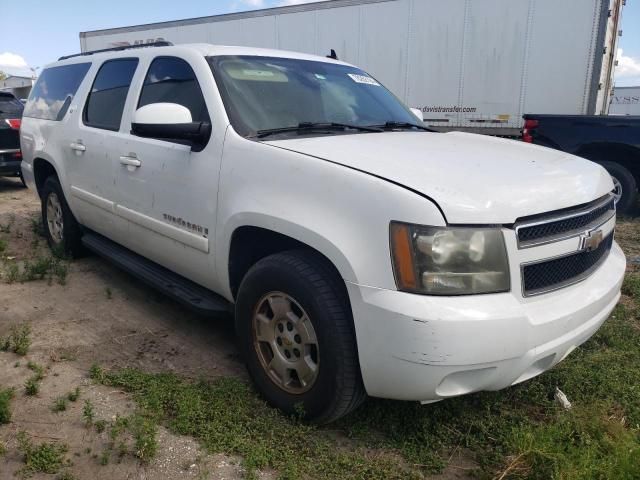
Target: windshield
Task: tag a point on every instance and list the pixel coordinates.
(265, 93)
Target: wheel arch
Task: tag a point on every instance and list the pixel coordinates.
(249, 243)
(42, 169)
(626, 155)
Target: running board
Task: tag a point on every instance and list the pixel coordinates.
(185, 291)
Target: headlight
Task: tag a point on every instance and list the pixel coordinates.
(449, 260)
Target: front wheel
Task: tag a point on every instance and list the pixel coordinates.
(296, 333)
(60, 226)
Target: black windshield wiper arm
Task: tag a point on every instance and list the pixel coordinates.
(304, 126)
(399, 125)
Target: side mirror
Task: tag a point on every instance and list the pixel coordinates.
(418, 113)
(170, 122)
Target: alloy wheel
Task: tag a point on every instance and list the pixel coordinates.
(286, 342)
(55, 221)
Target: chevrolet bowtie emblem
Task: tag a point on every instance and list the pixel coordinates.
(591, 240)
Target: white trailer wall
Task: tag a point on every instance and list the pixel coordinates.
(625, 101)
(465, 63)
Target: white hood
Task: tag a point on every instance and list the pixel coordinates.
(475, 179)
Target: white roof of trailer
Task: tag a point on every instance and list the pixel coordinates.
(265, 12)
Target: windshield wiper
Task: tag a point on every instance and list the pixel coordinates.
(402, 125)
(309, 126)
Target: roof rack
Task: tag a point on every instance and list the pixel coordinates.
(117, 49)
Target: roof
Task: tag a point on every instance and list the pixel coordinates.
(265, 12)
(204, 49)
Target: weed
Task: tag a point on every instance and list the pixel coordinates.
(36, 226)
(6, 227)
(60, 404)
(16, 365)
(18, 341)
(66, 476)
(631, 285)
(6, 396)
(3, 448)
(144, 432)
(31, 387)
(12, 273)
(3, 245)
(73, 396)
(109, 293)
(96, 373)
(38, 371)
(87, 413)
(100, 425)
(104, 458)
(43, 458)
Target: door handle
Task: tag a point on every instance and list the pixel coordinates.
(78, 147)
(130, 161)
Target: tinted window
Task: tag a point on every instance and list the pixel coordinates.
(10, 105)
(172, 80)
(52, 94)
(108, 94)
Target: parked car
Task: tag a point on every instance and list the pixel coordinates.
(10, 117)
(611, 141)
(360, 252)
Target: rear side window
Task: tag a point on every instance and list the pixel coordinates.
(53, 92)
(108, 95)
(10, 105)
(172, 80)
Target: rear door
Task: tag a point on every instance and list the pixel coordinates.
(94, 144)
(170, 197)
(10, 115)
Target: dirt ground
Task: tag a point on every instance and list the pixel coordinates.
(102, 315)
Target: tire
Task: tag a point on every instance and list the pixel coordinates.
(60, 226)
(626, 182)
(300, 283)
(24, 184)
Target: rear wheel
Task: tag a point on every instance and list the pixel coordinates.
(625, 187)
(60, 226)
(296, 333)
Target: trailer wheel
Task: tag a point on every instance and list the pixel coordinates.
(625, 186)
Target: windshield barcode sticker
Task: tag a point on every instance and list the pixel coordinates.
(363, 79)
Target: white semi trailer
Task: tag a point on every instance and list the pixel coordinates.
(475, 65)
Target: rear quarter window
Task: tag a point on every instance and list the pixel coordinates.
(10, 105)
(54, 90)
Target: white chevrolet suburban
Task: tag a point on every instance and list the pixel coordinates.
(360, 252)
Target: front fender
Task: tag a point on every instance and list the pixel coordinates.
(341, 212)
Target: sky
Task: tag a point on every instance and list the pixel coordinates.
(36, 32)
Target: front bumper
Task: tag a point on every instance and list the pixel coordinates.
(10, 161)
(416, 347)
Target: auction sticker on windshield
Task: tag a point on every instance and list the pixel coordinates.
(363, 79)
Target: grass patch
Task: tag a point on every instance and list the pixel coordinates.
(520, 432)
(32, 385)
(59, 404)
(227, 416)
(18, 341)
(43, 458)
(88, 413)
(6, 395)
(74, 395)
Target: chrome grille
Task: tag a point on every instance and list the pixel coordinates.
(553, 274)
(563, 224)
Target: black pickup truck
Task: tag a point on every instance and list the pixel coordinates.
(611, 141)
(10, 118)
